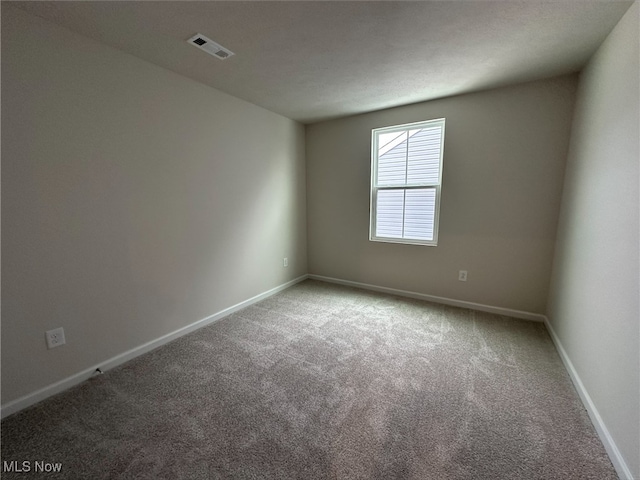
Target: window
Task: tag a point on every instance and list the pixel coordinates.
(406, 174)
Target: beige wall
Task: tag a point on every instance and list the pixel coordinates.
(595, 287)
(134, 201)
(504, 159)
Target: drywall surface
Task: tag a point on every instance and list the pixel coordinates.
(134, 201)
(593, 304)
(504, 160)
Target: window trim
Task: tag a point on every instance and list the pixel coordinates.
(374, 188)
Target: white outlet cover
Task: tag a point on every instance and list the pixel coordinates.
(55, 337)
(462, 275)
(286, 262)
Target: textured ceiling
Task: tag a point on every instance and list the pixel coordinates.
(312, 61)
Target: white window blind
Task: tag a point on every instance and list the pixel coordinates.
(406, 174)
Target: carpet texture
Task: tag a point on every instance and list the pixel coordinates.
(325, 381)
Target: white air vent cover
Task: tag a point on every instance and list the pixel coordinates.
(209, 46)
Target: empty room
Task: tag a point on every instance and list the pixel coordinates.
(338, 239)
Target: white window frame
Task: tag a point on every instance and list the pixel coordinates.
(404, 186)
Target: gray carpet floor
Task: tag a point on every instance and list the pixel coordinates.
(324, 381)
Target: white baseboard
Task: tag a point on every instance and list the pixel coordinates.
(57, 387)
(535, 317)
(623, 470)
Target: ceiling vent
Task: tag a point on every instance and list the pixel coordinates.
(209, 46)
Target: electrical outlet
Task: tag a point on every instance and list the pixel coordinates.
(286, 262)
(55, 337)
(462, 275)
